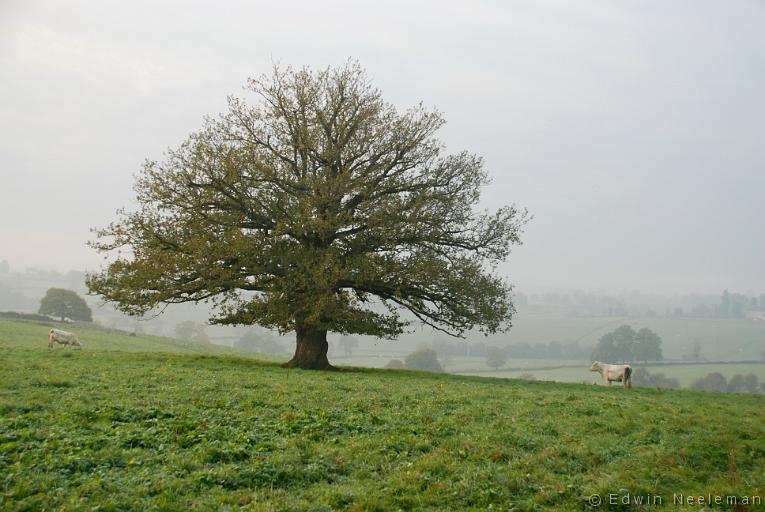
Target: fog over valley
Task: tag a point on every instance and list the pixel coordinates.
(631, 131)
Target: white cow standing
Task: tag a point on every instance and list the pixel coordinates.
(613, 373)
(64, 338)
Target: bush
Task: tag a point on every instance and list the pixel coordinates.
(743, 384)
(395, 364)
(712, 382)
(643, 378)
(424, 359)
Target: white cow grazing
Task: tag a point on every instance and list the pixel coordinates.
(63, 338)
(613, 373)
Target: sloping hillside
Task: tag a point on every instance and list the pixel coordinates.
(139, 431)
(14, 333)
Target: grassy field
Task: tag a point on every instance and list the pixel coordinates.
(33, 334)
(128, 430)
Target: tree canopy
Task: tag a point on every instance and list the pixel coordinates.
(63, 303)
(625, 344)
(318, 207)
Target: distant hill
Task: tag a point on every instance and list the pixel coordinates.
(27, 334)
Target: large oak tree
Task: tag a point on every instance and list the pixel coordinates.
(318, 207)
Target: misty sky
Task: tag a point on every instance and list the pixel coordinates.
(634, 131)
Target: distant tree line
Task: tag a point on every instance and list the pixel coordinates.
(552, 350)
(15, 315)
(716, 381)
(731, 305)
(643, 378)
(725, 305)
(624, 344)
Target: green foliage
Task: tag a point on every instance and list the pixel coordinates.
(423, 359)
(115, 430)
(320, 207)
(624, 344)
(62, 303)
(647, 346)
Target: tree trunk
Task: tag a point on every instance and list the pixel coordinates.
(310, 351)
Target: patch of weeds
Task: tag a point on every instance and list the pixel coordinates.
(17, 409)
(53, 382)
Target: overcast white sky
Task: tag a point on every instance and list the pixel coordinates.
(634, 131)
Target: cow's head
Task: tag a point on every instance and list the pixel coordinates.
(595, 366)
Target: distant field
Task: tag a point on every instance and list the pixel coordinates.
(122, 430)
(720, 339)
(685, 373)
(573, 371)
(453, 364)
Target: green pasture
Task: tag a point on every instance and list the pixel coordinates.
(142, 430)
(14, 333)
